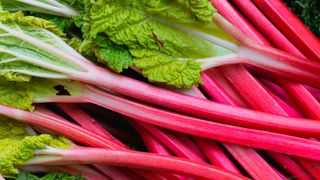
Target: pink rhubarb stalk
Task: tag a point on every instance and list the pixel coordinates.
(215, 154)
(209, 110)
(209, 148)
(268, 58)
(62, 127)
(248, 158)
(117, 145)
(172, 143)
(259, 98)
(87, 122)
(155, 146)
(133, 160)
(95, 75)
(280, 92)
(185, 124)
(191, 144)
(151, 142)
(314, 91)
(305, 99)
(291, 26)
(202, 128)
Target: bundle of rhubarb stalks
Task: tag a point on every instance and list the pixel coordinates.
(161, 89)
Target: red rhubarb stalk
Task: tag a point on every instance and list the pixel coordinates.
(134, 160)
(314, 91)
(250, 155)
(313, 167)
(189, 125)
(248, 158)
(172, 143)
(214, 77)
(290, 111)
(280, 92)
(210, 148)
(209, 110)
(87, 122)
(191, 144)
(153, 145)
(57, 119)
(305, 99)
(291, 26)
(127, 86)
(151, 142)
(212, 151)
(283, 160)
(181, 123)
(63, 127)
(113, 172)
(215, 153)
(284, 65)
(258, 97)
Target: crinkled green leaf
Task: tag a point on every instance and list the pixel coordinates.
(18, 56)
(12, 76)
(62, 23)
(20, 19)
(22, 94)
(131, 23)
(15, 152)
(17, 146)
(11, 133)
(202, 9)
(16, 94)
(12, 129)
(75, 43)
(115, 56)
(165, 69)
(158, 26)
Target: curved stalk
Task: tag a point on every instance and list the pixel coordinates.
(131, 159)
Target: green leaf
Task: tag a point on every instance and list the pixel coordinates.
(16, 94)
(202, 9)
(15, 152)
(115, 56)
(131, 23)
(17, 146)
(158, 26)
(62, 23)
(21, 95)
(165, 69)
(12, 129)
(18, 56)
(19, 18)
